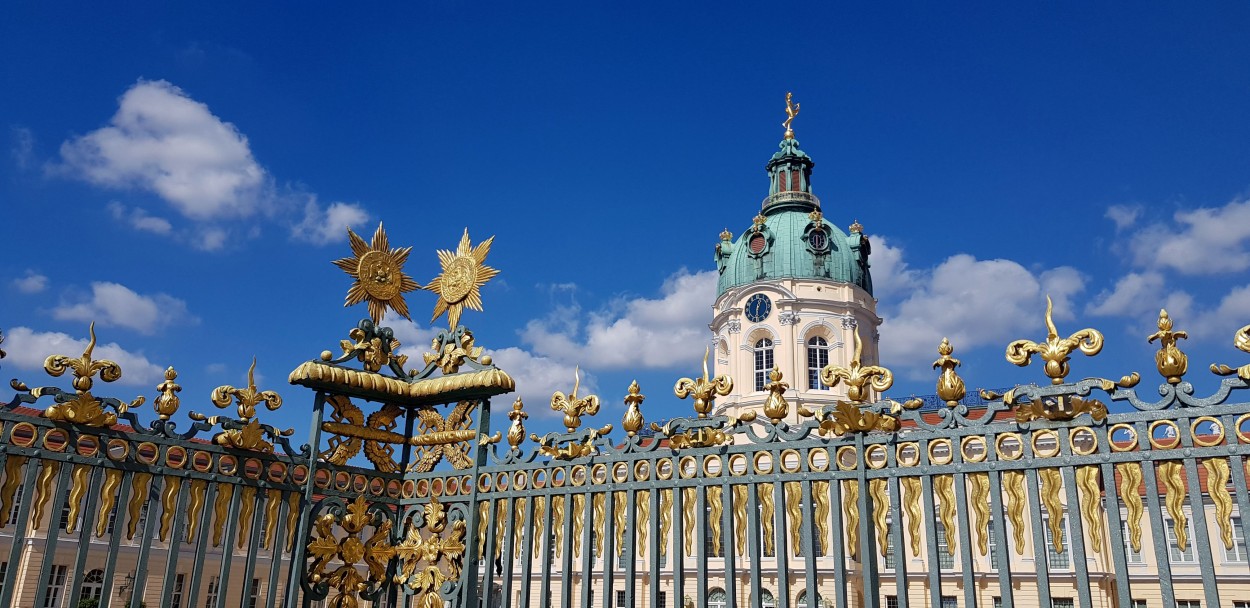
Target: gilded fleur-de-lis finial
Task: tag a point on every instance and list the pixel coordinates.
(1170, 361)
(704, 389)
(166, 404)
(792, 110)
(85, 408)
(857, 376)
(776, 408)
(1055, 351)
(575, 407)
(950, 387)
(246, 399)
(632, 421)
(516, 431)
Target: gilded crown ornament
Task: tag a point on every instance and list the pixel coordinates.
(1055, 351)
(704, 389)
(857, 227)
(950, 387)
(725, 235)
(632, 421)
(378, 271)
(758, 222)
(792, 110)
(857, 376)
(574, 407)
(459, 284)
(816, 217)
(83, 407)
(1171, 362)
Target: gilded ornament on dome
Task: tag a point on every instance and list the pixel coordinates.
(459, 284)
(378, 271)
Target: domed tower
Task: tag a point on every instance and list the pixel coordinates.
(792, 292)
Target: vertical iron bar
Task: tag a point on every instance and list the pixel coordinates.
(1239, 484)
(930, 520)
(867, 537)
(275, 556)
(469, 575)
(201, 544)
(588, 546)
(544, 590)
(700, 545)
(1202, 541)
(19, 534)
(566, 555)
(631, 552)
(679, 545)
(1002, 542)
(653, 549)
(488, 560)
(807, 533)
(527, 554)
(86, 516)
(1041, 551)
(838, 536)
(306, 504)
(1163, 559)
(227, 546)
(175, 540)
(1076, 530)
(145, 541)
(119, 520)
(780, 538)
(965, 534)
(508, 548)
(54, 528)
(754, 550)
(1115, 530)
(900, 546)
(253, 546)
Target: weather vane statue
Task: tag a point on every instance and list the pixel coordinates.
(792, 110)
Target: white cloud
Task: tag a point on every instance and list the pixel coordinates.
(139, 219)
(28, 348)
(1232, 313)
(114, 304)
(538, 377)
(1123, 215)
(890, 273)
(630, 333)
(1139, 295)
(1202, 241)
(163, 141)
(329, 225)
(974, 303)
(210, 239)
(33, 282)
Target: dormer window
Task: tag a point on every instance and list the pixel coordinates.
(818, 240)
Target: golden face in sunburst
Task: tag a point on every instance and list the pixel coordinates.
(462, 277)
(379, 275)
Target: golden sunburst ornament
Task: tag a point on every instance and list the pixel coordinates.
(460, 283)
(379, 275)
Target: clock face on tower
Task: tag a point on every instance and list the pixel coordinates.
(757, 308)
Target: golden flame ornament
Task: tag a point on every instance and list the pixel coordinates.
(379, 275)
(460, 283)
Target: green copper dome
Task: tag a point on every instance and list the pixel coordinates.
(791, 238)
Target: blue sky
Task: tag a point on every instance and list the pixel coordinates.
(181, 175)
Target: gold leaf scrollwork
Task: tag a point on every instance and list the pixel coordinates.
(944, 487)
(843, 418)
(1061, 408)
(1051, 486)
(501, 525)
(666, 519)
(1174, 497)
(1013, 485)
(877, 488)
(1055, 352)
(767, 517)
(246, 433)
(84, 408)
(169, 495)
(1217, 486)
(1130, 495)
(857, 377)
(950, 387)
(451, 356)
(108, 498)
(794, 516)
(247, 509)
(518, 528)
(911, 502)
(1091, 504)
(341, 537)
(13, 466)
(199, 487)
(1241, 341)
(428, 561)
(574, 407)
(979, 484)
(820, 496)
(140, 486)
(273, 501)
(850, 510)
(224, 492)
(483, 515)
(579, 522)
(704, 389)
(1170, 361)
(557, 523)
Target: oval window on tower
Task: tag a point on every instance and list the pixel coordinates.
(757, 243)
(818, 240)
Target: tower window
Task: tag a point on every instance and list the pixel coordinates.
(818, 240)
(763, 362)
(757, 243)
(817, 359)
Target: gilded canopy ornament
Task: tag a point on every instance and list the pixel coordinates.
(1170, 361)
(459, 284)
(1055, 351)
(378, 271)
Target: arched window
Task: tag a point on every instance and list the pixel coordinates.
(817, 359)
(767, 600)
(801, 601)
(763, 362)
(93, 585)
(717, 599)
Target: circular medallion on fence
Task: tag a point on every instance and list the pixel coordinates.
(818, 460)
(973, 448)
(1083, 441)
(1207, 431)
(908, 454)
(88, 445)
(1010, 446)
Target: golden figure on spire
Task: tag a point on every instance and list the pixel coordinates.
(792, 110)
